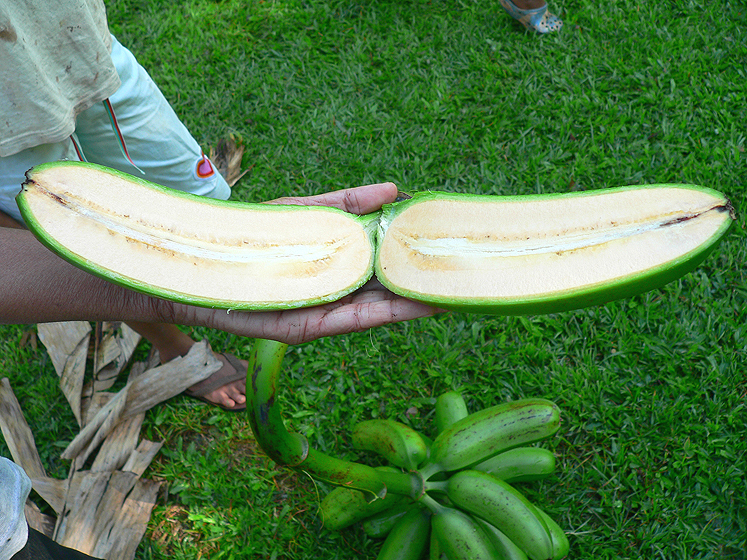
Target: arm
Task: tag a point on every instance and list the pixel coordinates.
(36, 286)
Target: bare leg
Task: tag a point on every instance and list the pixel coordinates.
(529, 4)
(171, 343)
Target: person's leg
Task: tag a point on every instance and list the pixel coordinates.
(157, 141)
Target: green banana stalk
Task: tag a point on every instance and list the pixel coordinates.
(459, 536)
(398, 443)
(380, 524)
(560, 544)
(344, 506)
(409, 538)
(504, 507)
(520, 464)
(488, 432)
(283, 447)
(450, 408)
(507, 549)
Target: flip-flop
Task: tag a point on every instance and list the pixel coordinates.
(539, 19)
(220, 378)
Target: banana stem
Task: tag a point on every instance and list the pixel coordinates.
(292, 449)
(283, 447)
(343, 473)
(431, 504)
(405, 484)
(429, 469)
(437, 485)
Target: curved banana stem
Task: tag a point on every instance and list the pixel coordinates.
(282, 446)
(292, 449)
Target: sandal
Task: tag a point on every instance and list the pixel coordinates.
(222, 377)
(538, 20)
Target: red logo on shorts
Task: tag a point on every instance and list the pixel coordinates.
(204, 168)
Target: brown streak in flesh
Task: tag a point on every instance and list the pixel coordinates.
(726, 207)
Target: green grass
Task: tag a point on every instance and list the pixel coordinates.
(453, 95)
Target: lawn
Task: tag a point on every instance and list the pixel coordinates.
(454, 95)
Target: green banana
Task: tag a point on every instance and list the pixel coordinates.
(507, 549)
(504, 507)
(459, 537)
(434, 549)
(379, 525)
(409, 538)
(450, 408)
(488, 432)
(521, 464)
(398, 443)
(560, 544)
(343, 507)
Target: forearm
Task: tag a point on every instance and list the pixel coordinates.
(36, 286)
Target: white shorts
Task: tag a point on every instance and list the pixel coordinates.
(156, 141)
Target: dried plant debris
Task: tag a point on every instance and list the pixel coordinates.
(104, 506)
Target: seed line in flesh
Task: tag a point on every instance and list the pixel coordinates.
(296, 253)
(451, 246)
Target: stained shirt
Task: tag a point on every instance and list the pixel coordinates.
(55, 62)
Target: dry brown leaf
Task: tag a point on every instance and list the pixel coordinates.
(226, 157)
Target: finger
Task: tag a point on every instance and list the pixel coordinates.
(358, 200)
(357, 317)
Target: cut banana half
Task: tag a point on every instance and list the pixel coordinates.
(546, 253)
(195, 249)
(485, 254)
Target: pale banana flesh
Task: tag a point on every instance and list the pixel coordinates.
(194, 249)
(486, 254)
(543, 253)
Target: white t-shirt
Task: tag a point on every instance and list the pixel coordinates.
(14, 489)
(55, 62)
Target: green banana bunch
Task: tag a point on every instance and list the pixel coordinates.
(520, 464)
(450, 408)
(462, 489)
(459, 536)
(489, 498)
(488, 432)
(409, 538)
(398, 443)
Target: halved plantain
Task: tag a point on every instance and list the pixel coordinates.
(546, 253)
(485, 254)
(194, 249)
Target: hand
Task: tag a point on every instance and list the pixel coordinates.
(371, 306)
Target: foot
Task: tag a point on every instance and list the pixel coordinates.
(225, 388)
(533, 15)
(230, 395)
